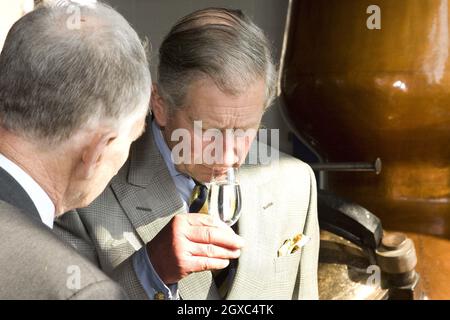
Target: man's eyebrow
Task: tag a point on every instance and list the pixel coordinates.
(221, 128)
(204, 123)
(207, 125)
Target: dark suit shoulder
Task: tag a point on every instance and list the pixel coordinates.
(36, 264)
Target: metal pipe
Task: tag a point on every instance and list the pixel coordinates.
(348, 166)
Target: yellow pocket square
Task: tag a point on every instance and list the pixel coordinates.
(290, 246)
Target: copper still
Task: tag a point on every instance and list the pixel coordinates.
(355, 93)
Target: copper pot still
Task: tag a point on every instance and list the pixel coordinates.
(355, 92)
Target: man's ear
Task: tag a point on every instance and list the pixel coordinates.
(94, 152)
(158, 106)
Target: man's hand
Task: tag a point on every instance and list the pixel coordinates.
(192, 243)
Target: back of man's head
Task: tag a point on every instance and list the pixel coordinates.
(67, 66)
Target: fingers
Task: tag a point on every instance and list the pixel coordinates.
(200, 219)
(210, 230)
(213, 251)
(217, 236)
(205, 263)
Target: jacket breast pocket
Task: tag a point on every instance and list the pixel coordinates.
(285, 275)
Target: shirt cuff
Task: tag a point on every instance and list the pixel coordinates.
(154, 287)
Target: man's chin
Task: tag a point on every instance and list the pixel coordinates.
(206, 178)
(205, 174)
(203, 178)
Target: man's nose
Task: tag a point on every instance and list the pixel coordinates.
(230, 156)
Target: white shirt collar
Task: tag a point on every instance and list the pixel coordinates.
(40, 198)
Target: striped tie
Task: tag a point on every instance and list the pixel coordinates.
(198, 203)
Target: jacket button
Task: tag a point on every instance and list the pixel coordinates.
(159, 296)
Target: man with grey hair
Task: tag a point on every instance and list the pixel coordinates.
(215, 67)
(72, 100)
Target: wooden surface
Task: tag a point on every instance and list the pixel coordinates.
(433, 255)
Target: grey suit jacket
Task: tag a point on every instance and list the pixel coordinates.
(34, 263)
(279, 201)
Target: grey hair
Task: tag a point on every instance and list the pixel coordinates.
(55, 79)
(221, 44)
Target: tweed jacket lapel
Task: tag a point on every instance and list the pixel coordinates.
(146, 190)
